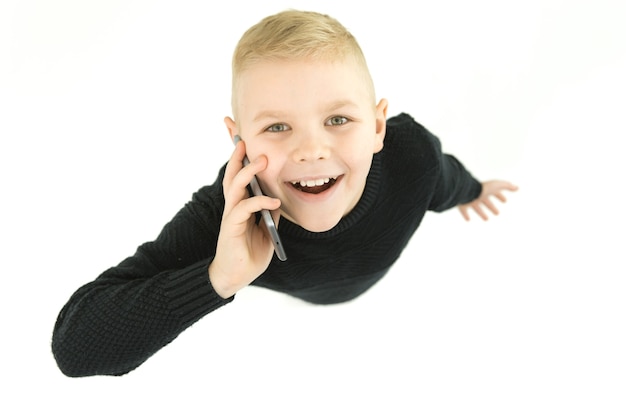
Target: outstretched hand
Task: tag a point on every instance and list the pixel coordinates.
(492, 188)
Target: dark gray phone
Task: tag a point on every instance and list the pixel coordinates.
(265, 214)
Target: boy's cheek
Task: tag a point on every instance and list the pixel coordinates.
(268, 184)
(271, 174)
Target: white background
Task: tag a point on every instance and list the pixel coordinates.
(111, 117)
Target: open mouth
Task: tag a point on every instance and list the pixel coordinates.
(314, 186)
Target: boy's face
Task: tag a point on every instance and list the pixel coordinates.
(318, 126)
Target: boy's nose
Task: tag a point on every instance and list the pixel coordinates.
(310, 149)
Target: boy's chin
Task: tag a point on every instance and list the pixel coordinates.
(319, 228)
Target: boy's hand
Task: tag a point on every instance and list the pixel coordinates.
(244, 249)
(490, 189)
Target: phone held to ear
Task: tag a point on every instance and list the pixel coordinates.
(265, 214)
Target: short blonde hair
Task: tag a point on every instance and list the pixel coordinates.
(292, 35)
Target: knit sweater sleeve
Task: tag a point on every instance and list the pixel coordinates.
(455, 185)
(113, 324)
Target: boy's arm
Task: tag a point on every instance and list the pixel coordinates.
(457, 187)
(113, 324)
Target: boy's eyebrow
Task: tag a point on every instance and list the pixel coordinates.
(341, 103)
(267, 114)
(274, 114)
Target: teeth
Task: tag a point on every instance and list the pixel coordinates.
(312, 183)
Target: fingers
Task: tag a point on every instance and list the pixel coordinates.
(235, 164)
(490, 206)
(479, 210)
(239, 206)
(496, 190)
(490, 188)
(496, 187)
(246, 207)
(463, 209)
(234, 168)
(477, 206)
(511, 187)
(236, 179)
(500, 197)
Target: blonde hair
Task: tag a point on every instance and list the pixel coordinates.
(292, 35)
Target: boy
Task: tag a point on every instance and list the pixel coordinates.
(348, 187)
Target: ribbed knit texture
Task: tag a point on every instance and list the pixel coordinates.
(115, 323)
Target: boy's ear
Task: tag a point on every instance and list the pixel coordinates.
(381, 124)
(231, 126)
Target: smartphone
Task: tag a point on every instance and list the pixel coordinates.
(265, 214)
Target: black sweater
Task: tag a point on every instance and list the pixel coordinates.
(116, 322)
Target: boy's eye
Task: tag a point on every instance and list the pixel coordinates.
(336, 121)
(278, 127)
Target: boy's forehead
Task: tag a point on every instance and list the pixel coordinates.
(269, 86)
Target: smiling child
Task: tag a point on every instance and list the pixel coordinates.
(347, 186)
